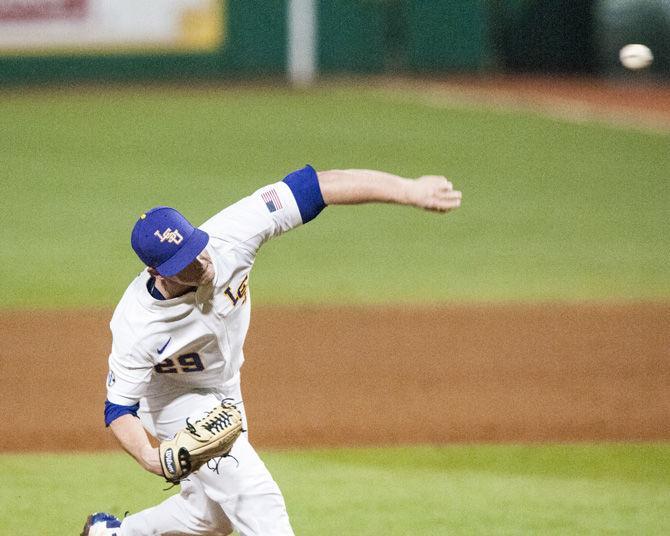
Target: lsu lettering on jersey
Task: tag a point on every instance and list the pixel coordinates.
(161, 348)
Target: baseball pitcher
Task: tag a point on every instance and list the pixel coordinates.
(178, 335)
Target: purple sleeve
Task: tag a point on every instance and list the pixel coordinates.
(304, 185)
(114, 411)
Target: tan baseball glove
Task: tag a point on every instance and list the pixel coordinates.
(209, 437)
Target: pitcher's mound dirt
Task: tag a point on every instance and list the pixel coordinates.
(374, 375)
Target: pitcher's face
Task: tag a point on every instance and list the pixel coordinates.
(199, 272)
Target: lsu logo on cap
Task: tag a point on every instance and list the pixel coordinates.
(173, 237)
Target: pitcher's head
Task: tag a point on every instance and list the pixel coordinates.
(171, 247)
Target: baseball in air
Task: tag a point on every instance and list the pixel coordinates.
(635, 56)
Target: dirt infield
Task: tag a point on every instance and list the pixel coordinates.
(343, 376)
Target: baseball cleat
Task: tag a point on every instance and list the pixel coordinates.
(101, 524)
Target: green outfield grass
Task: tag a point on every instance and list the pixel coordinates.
(554, 489)
(551, 210)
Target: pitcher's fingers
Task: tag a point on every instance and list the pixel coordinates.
(449, 204)
(451, 194)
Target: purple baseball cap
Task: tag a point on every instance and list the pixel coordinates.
(163, 239)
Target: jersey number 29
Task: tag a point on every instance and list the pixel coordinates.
(185, 363)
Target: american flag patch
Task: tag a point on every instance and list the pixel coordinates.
(271, 200)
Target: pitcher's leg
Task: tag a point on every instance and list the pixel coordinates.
(188, 513)
(246, 491)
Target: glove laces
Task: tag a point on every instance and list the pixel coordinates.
(213, 421)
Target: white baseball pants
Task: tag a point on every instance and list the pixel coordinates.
(236, 492)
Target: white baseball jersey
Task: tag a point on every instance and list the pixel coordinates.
(164, 347)
(176, 358)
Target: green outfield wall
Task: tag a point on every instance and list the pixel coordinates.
(380, 36)
(403, 35)
(353, 36)
(448, 36)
